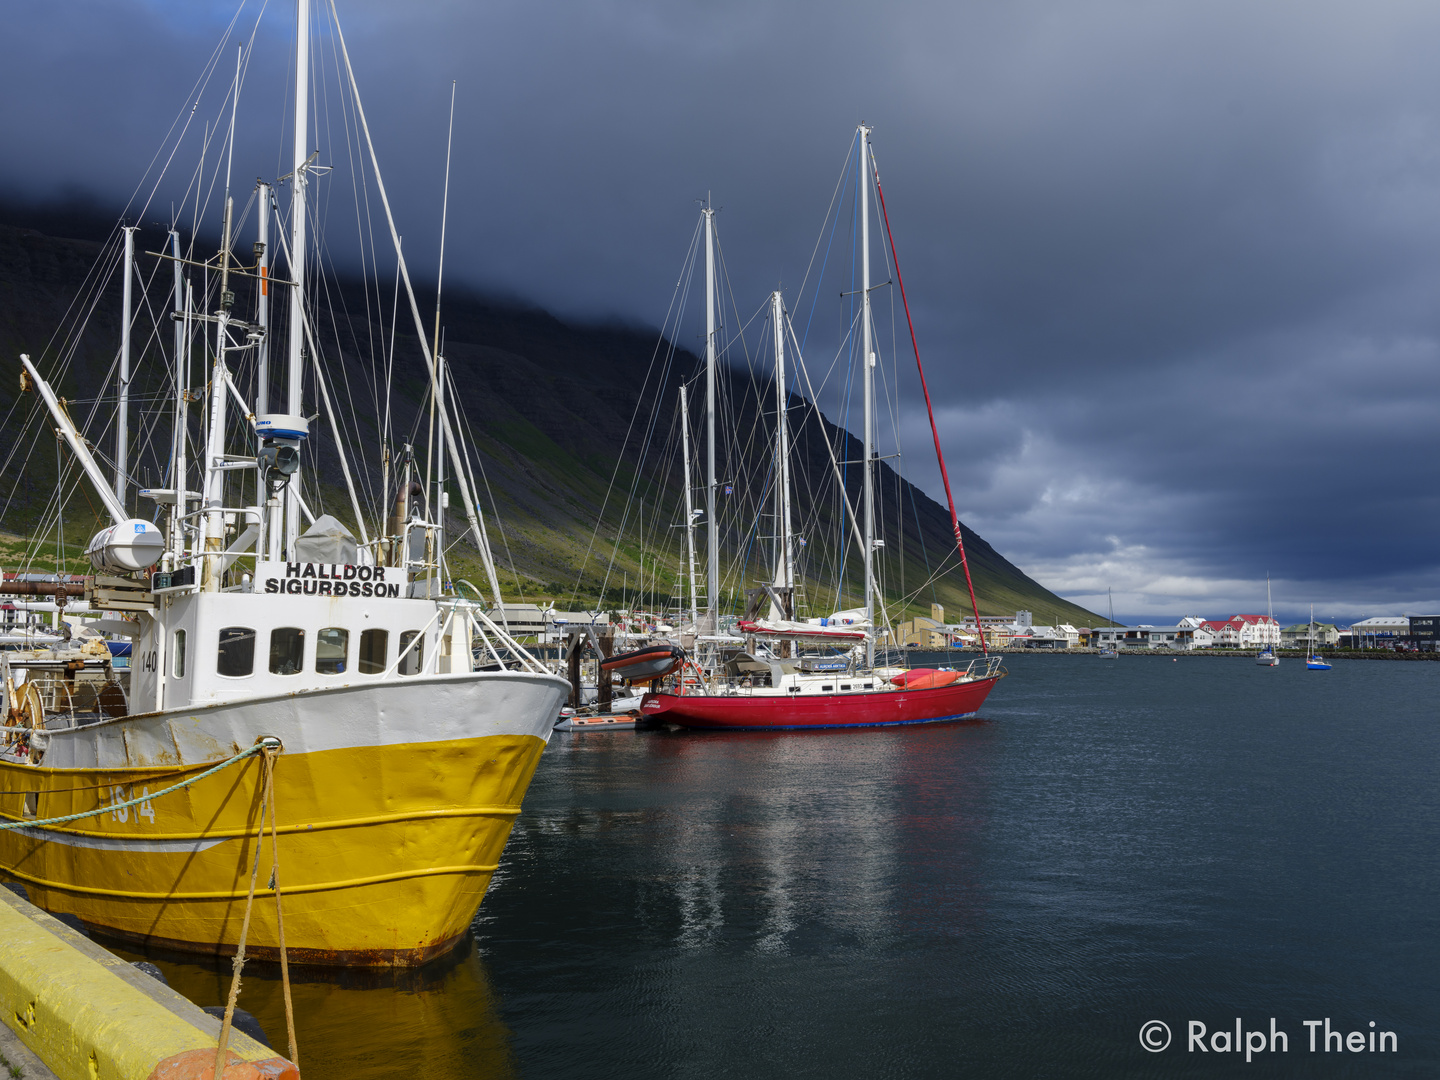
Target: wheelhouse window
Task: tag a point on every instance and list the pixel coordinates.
(374, 645)
(287, 650)
(235, 657)
(414, 660)
(177, 650)
(332, 649)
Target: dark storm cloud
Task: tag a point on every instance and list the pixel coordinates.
(1173, 265)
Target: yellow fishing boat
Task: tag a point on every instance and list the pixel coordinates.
(396, 725)
(385, 849)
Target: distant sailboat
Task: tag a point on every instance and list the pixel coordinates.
(1313, 660)
(1110, 653)
(1266, 656)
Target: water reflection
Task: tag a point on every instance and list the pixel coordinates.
(764, 842)
(754, 872)
(440, 1022)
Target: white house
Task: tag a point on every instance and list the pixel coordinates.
(1179, 636)
(1257, 630)
(1063, 636)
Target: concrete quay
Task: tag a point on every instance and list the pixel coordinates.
(75, 1011)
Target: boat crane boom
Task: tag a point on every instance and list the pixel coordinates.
(77, 444)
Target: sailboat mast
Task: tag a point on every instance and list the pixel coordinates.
(868, 362)
(296, 354)
(439, 504)
(178, 477)
(122, 421)
(712, 526)
(784, 557)
(689, 502)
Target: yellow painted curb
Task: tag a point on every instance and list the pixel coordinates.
(80, 1016)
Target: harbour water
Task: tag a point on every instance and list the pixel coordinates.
(1112, 843)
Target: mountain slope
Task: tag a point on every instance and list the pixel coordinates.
(575, 428)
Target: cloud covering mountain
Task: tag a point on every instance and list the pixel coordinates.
(1173, 266)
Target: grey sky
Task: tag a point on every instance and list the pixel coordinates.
(1173, 265)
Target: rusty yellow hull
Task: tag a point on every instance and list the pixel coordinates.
(385, 851)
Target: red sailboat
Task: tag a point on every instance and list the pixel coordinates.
(862, 695)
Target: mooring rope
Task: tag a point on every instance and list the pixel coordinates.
(268, 742)
(239, 961)
(280, 920)
(268, 747)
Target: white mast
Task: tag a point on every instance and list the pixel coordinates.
(214, 517)
(868, 361)
(438, 514)
(689, 503)
(784, 543)
(122, 422)
(269, 507)
(435, 458)
(295, 369)
(262, 313)
(472, 507)
(712, 526)
(179, 478)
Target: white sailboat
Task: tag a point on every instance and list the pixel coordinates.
(336, 668)
(1110, 652)
(1266, 656)
(1313, 660)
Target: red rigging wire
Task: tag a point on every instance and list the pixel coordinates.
(935, 431)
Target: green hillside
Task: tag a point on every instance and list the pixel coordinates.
(575, 428)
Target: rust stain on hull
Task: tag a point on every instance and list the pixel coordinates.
(367, 958)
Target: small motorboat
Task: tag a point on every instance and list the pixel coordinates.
(603, 722)
(642, 665)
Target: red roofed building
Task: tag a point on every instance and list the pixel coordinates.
(1211, 632)
(1242, 632)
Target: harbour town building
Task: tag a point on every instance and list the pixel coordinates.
(1380, 631)
(1304, 635)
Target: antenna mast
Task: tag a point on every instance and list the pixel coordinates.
(295, 371)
